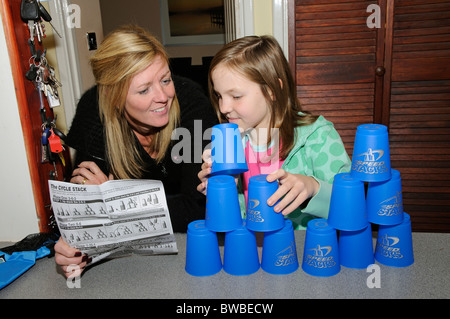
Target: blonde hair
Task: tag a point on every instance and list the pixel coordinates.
(124, 53)
(261, 60)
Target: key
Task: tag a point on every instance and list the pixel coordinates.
(53, 99)
(42, 26)
(44, 153)
(38, 31)
(47, 17)
(41, 29)
(29, 13)
(61, 157)
(39, 87)
(52, 77)
(44, 88)
(31, 28)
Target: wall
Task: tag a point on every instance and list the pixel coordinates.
(91, 21)
(262, 14)
(17, 212)
(147, 15)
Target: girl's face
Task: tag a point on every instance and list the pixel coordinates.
(240, 100)
(150, 97)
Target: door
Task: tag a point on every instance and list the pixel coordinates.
(419, 112)
(397, 75)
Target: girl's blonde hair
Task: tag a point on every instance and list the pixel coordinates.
(124, 53)
(261, 60)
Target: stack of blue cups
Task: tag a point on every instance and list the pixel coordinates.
(223, 214)
(352, 211)
(371, 163)
(279, 254)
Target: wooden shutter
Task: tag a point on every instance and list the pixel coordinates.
(419, 118)
(335, 60)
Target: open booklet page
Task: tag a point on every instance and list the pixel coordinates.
(115, 218)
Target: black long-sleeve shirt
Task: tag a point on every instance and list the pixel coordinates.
(186, 204)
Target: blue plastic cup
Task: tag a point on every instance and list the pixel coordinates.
(356, 248)
(348, 203)
(321, 252)
(371, 160)
(202, 250)
(394, 244)
(384, 201)
(279, 254)
(260, 216)
(227, 151)
(240, 256)
(223, 212)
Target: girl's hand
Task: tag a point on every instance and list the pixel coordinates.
(203, 175)
(71, 260)
(296, 188)
(90, 174)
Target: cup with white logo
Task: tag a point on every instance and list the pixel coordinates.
(394, 245)
(385, 202)
(371, 160)
(321, 252)
(279, 255)
(260, 216)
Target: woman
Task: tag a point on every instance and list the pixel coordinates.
(123, 127)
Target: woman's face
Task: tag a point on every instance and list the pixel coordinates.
(150, 97)
(240, 100)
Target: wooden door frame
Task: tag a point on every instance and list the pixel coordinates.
(30, 118)
(22, 103)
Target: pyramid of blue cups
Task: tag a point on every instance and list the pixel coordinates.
(223, 214)
(370, 194)
(354, 208)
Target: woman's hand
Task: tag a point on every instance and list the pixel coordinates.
(71, 260)
(88, 173)
(295, 188)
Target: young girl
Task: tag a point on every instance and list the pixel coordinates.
(250, 84)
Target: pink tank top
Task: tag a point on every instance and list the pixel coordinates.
(259, 163)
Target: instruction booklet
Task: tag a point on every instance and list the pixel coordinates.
(116, 218)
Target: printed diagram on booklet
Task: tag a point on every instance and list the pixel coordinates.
(128, 215)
